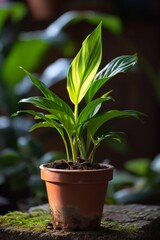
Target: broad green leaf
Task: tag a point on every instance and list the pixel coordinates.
(49, 105)
(120, 64)
(138, 166)
(42, 116)
(91, 109)
(29, 54)
(84, 66)
(49, 94)
(48, 121)
(95, 123)
(58, 112)
(42, 124)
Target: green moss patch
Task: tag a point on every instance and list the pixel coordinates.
(129, 228)
(36, 221)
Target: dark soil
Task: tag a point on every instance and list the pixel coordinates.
(79, 165)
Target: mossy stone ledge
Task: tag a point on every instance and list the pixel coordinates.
(127, 222)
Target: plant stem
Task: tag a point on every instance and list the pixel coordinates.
(66, 147)
(73, 149)
(74, 140)
(76, 112)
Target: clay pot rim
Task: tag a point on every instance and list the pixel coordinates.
(108, 167)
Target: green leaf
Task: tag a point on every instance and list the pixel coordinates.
(48, 121)
(120, 64)
(41, 124)
(91, 109)
(84, 66)
(50, 105)
(60, 113)
(112, 135)
(48, 93)
(138, 166)
(97, 121)
(29, 54)
(96, 142)
(42, 116)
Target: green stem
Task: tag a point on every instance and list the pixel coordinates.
(82, 149)
(76, 112)
(66, 147)
(73, 149)
(74, 140)
(88, 144)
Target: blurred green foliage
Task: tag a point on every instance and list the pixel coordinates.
(138, 183)
(15, 12)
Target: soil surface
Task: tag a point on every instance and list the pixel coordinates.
(79, 165)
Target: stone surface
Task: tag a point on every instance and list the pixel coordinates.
(127, 222)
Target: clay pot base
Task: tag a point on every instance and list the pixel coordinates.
(71, 220)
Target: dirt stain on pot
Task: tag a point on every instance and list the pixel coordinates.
(68, 219)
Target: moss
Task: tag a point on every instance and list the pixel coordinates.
(129, 228)
(36, 221)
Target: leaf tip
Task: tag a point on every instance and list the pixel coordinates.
(20, 67)
(14, 114)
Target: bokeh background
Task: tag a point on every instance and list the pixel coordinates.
(43, 36)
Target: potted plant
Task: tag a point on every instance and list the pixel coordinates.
(77, 186)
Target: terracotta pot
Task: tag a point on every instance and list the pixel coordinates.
(76, 198)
